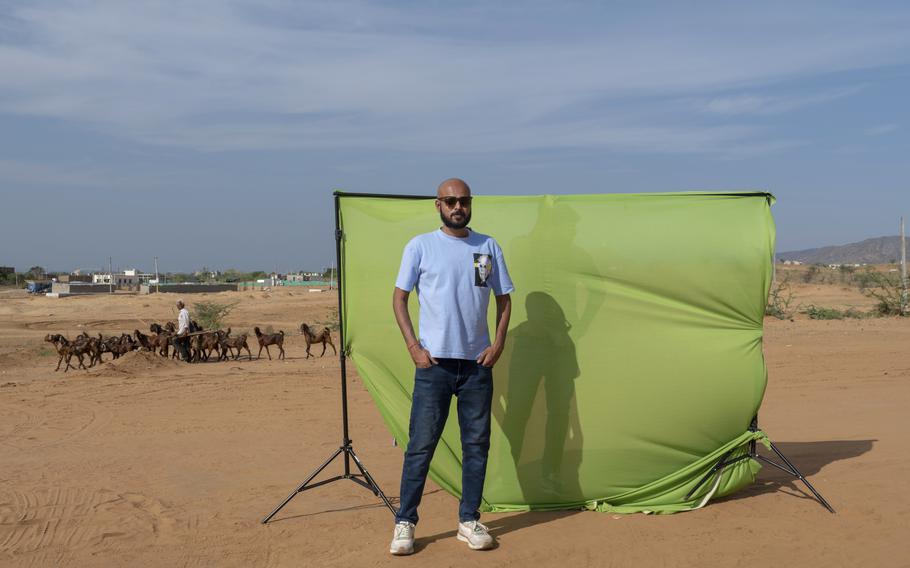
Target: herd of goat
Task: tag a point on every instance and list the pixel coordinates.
(163, 340)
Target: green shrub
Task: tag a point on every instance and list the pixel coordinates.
(823, 313)
(210, 314)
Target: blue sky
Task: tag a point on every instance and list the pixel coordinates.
(212, 132)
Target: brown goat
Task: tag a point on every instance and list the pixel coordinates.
(204, 344)
(90, 346)
(162, 338)
(108, 346)
(66, 350)
(324, 336)
(158, 329)
(162, 342)
(266, 339)
(228, 343)
(153, 343)
(124, 345)
(142, 339)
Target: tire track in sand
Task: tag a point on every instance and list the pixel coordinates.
(73, 518)
(55, 422)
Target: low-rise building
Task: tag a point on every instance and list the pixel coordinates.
(118, 279)
(303, 276)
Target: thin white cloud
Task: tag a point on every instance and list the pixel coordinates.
(771, 105)
(244, 75)
(16, 172)
(880, 129)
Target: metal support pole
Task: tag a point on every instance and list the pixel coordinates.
(904, 307)
(342, 353)
(787, 466)
(363, 478)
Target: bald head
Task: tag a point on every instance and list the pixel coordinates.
(453, 201)
(453, 186)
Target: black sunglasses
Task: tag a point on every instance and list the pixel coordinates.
(451, 201)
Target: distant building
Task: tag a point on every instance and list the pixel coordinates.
(206, 274)
(74, 278)
(793, 262)
(129, 279)
(119, 280)
(303, 276)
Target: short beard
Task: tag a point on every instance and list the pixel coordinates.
(452, 224)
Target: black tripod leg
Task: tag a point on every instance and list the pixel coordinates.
(720, 463)
(801, 477)
(373, 485)
(303, 485)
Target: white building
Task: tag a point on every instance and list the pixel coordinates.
(303, 276)
(129, 278)
(119, 279)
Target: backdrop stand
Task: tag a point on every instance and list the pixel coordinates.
(787, 466)
(346, 449)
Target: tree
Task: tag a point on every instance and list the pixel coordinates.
(233, 275)
(211, 314)
(36, 272)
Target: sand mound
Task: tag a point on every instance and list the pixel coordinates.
(135, 363)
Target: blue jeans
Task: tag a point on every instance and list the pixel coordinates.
(472, 383)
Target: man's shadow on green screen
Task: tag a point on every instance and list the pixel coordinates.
(541, 424)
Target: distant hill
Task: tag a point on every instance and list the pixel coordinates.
(871, 251)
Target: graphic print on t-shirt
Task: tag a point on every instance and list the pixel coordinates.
(483, 266)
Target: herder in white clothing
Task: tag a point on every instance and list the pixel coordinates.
(183, 327)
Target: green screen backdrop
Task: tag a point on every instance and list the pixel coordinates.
(634, 355)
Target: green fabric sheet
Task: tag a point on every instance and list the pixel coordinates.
(634, 355)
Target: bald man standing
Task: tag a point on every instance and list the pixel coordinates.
(454, 270)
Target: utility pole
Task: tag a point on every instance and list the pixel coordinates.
(110, 274)
(156, 276)
(904, 299)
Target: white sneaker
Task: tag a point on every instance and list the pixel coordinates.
(476, 535)
(402, 539)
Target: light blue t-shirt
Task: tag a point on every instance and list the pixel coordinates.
(454, 277)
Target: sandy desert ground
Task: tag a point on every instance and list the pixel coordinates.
(147, 462)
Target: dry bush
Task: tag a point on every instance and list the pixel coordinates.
(779, 299)
(890, 293)
(331, 321)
